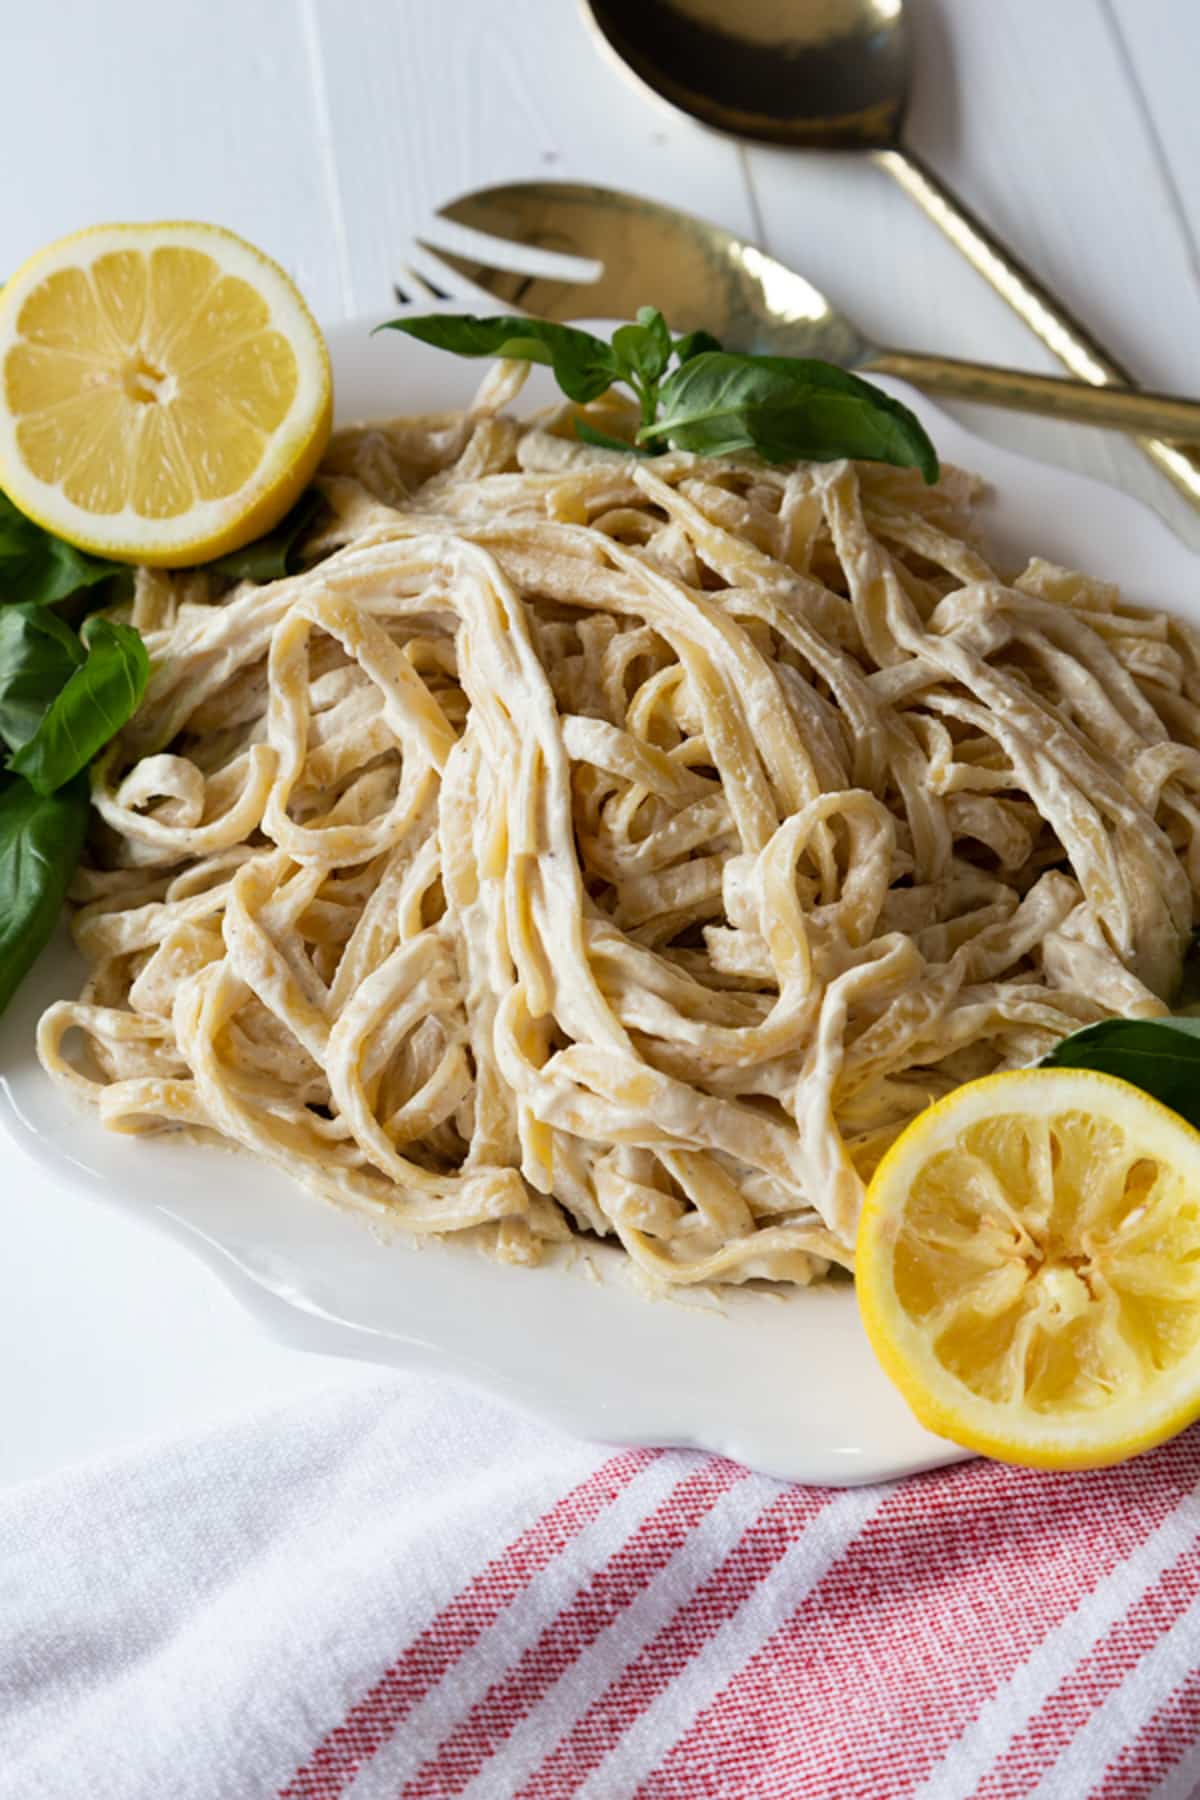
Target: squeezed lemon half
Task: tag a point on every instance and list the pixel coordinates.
(1028, 1268)
(165, 394)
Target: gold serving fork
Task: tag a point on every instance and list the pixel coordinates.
(702, 277)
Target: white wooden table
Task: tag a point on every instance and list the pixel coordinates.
(328, 130)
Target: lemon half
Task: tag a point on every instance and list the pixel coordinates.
(166, 394)
(1028, 1268)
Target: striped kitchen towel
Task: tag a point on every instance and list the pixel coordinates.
(403, 1589)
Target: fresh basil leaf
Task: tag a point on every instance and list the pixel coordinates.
(38, 568)
(644, 349)
(602, 441)
(716, 404)
(41, 837)
(694, 343)
(99, 697)
(584, 366)
(786, 409)
(271, 557)
(38, 655)
(1160, 1056)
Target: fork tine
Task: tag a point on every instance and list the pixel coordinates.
(559, 217)
(641, 252)
(536, 294)
(459, 275)
(411, 286)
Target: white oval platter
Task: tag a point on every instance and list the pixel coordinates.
(785, 1384)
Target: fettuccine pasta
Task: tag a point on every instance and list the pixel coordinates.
(587, 845)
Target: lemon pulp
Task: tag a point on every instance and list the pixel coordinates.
(1029, 1267)
(165, 393)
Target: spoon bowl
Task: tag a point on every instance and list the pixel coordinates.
(831, 74)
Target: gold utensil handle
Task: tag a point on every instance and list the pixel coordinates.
(1070, 341)
(1120, 409)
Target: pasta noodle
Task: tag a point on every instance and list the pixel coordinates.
(582, 844)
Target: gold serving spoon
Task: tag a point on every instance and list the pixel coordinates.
(834, 75)
(703, 277)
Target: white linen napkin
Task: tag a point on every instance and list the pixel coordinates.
(403, 1588)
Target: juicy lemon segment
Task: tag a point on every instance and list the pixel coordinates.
(1028, 1268)
(165, 395)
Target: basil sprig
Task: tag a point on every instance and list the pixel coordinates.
(712, 401)
(63, 694)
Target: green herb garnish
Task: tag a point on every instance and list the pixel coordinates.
(788, 409)
(63, 694)
(38, 568)
(41, 837)
(98, 697)
(584, 366)
(712, 402)
(271, 557)
(38, 655)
